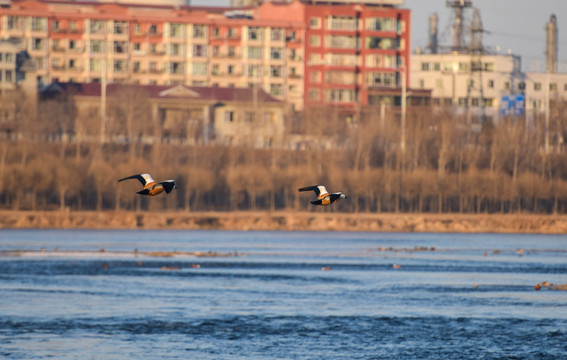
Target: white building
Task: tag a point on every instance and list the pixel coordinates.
(454, 83)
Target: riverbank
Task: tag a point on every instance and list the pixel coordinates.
(288, 220)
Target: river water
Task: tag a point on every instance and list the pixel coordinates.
(85, 294)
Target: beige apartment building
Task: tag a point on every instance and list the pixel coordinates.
(147, 44)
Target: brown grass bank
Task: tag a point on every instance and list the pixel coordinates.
(315, 221)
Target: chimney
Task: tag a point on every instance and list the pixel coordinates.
(433, 45)
(551, 45)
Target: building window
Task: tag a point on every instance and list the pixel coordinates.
(231, 51)
(537, 87)
(153, 30)
(199, 68)
(199, 50)
(491, 84)
(383, 43)
(215, 70)
(97, 27)
(254, 52)
(176, 31)
(120, 47)
(315, 23)
(73, 26)
(276, 89)
(436, 66)
(15, 23)
(488, 66)
(175, 68)
(120, 27)
(136, 67)
(424, 66)
(96, 46)
(216, 32)
(315, 77)
(565, 87)
(8, 76)
(254, 70)
(340, 95)
(314, 40)
(95, 64)
(175, 49)
(276, 71)
(276, 53)
(229, 116)
(422, 83)
(338, 22)
(55, 26)
(199, 31)
(292, 54)
(39, 24)
(276, 34)
(522, 85)
(119, 66)
(342, 42)
(254, 33)
(314, 94)
(381, 24)
(553, 87)
(37, 44)
(439, 83)
(232, 33)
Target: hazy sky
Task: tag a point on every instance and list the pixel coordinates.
(518, 25)
(513, 24)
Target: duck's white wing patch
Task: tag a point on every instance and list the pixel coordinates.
(322, 190)
(147, 178)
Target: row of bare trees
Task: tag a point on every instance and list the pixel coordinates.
(447, 165)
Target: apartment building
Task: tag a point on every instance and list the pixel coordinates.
(72, 41)
(356, 53)
(301, 53)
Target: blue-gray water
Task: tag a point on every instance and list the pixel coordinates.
(471, 297)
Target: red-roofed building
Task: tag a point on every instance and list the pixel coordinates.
(186, 114)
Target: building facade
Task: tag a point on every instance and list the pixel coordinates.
(184, 114)
(300, 53)
(485, 91)
(158, 45)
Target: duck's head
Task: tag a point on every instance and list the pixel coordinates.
(343, 196)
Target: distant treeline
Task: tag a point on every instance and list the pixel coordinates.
(57, 160)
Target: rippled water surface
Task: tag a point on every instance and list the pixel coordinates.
(280, 295)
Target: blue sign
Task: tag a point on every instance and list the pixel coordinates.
(512, 105)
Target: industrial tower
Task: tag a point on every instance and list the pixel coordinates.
(475, 91)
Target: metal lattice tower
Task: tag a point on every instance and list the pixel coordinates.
(458, 27)
(475, 90)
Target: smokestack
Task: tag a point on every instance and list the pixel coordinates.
(551, 45)
(433, 45)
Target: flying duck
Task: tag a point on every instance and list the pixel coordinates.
(323, 196)
(151, 187)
